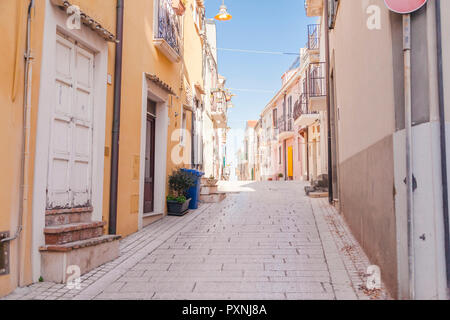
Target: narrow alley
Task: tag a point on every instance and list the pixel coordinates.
(267, 240)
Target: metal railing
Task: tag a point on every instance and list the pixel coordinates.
(219, 103)
(301, 106)
(317, 84)
(168, 25)
(285, 124)
(313, 37)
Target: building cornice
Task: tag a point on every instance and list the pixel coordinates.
(87, 20)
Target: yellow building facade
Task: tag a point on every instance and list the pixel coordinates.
(70, 65)
(22, 105)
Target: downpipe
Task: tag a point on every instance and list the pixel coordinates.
(443, 141)
(23, 203)
(112, 225)
(409, 164)
(327, 65)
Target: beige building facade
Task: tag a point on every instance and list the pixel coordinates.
(367, 101)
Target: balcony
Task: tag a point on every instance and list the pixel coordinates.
(314, 8)
(313, 37)
(285, 127)
(303, 116)
(168, 35)
(317, 86)
(219, 109)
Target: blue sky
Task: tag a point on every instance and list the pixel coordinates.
(265, 25)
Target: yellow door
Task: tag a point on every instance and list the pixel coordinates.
(290, 162)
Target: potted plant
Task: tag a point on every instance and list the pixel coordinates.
(211, 181)
(177, 201)
(280, 176)
(179, 6)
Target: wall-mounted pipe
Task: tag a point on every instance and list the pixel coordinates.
(443, 139)
(409, 164)
(23, 203)
(327, 64)
(112, 226)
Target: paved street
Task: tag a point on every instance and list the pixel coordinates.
(269, 241)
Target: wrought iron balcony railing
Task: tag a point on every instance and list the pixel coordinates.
(219, 103)
(313, 37)
(285, 124)
(168, 25)
(317, 79)
(301, 106)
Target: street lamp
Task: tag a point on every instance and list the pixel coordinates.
(223, 14)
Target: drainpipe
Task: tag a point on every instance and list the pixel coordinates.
(23, 204)
(116, 120)
(443, 139)
(307, 153)
(284, 141)
(327, 65)
(409, 165)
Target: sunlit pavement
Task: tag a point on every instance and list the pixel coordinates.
(267, 240)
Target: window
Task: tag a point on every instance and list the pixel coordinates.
(246, 150)
(4, 254)
(332, 11)
(151, 108)
(168, 25)
(275, 119)
(183, 128)
(290, 107)
(197, 15)
(279, 153)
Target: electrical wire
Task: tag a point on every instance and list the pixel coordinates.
(252, 90)
(259, 51)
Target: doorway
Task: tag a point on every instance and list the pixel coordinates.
(314, 156)
(69, 183)
(149, 177)
(291, 163)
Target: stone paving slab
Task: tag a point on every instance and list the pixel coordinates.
(269, 241)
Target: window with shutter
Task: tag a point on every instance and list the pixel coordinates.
(332, 11)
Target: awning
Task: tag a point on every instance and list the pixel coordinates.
(88, 21)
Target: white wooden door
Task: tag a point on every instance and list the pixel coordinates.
(69, 182)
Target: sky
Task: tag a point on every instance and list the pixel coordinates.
(262, 25)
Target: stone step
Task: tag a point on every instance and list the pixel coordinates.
(67, 216)
(85, 255)
(67, 233)
(205, 190)
(79, 244)
(213, 198)
(317, 194)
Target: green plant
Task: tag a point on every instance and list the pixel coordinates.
(179, 183)
(41, 279)
(280, 175)
(180, 199)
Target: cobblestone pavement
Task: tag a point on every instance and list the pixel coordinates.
(269, 241)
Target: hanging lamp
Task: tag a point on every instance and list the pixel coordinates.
(223, 14)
